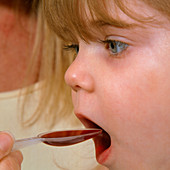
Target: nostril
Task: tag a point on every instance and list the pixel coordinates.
(77, 87)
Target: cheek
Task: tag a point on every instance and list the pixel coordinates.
(136, 104)
(137, 116)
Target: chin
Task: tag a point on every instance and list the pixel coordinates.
(103, 144)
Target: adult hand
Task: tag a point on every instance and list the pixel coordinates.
(9, 160)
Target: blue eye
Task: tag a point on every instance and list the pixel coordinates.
(115, 47)
(73, 47)
(76, 49)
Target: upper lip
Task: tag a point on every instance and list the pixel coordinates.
(87, 122)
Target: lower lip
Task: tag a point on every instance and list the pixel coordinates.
(103, 156)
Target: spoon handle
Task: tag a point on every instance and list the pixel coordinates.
(21, 143)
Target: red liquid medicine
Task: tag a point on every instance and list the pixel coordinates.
(69, 137)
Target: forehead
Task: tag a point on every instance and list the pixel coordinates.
(120, 13)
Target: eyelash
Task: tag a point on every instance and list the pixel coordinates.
(120, 47)
(72, 47)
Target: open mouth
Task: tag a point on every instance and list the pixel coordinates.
(102, 141)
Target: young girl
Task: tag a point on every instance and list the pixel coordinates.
(120, 77)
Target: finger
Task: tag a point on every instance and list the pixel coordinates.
(6, 143)
(12, 161)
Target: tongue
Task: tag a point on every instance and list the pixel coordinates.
(102, 142)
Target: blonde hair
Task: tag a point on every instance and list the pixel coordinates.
(69, 18)
(54, 97)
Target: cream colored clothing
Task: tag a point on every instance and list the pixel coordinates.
(41, 156)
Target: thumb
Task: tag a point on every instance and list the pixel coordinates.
(6, 143)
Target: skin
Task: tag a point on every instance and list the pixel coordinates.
(15, 52)
(127, 95)
(9, 160)
(15, 47)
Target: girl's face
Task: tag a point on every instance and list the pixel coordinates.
(121, 83)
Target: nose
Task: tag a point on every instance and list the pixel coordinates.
(79, 76)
